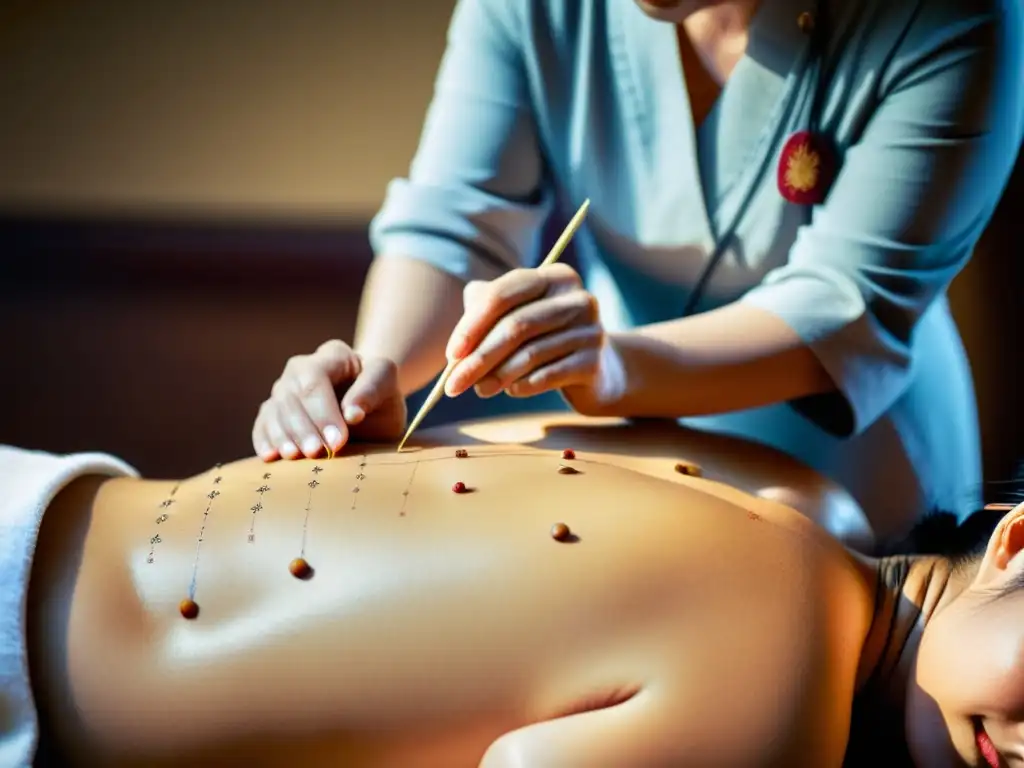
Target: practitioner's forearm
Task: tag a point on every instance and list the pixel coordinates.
(407, 313)
(729, 359)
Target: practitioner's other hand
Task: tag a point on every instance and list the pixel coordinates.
(304, 414)
(530, 331)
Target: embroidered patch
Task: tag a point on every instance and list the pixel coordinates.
(805, 169)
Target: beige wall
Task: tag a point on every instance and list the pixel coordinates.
(280, 109)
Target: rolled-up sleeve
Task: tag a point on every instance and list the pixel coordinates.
(913, 196)
(477, 192)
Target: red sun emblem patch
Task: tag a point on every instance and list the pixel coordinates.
(805, 169)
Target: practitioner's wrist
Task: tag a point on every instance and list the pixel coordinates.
(611, 383)
(409, 371)
(609, 386)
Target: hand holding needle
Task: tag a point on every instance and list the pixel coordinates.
(553, 255)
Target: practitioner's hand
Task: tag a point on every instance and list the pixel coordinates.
(304, 415)
(530, 331)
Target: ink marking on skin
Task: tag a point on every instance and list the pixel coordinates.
(753, 516)
(211, 497)
(161, 518)
(314, 483)
(258, 506)
(408, 487)
(521, 454)
(563, 467)
(359, 479)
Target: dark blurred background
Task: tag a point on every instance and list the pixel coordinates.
(184, 193)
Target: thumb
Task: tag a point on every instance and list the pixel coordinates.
(376, 383)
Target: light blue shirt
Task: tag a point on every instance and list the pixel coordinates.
(545, 100)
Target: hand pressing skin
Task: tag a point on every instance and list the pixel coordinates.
(304, 414)
(527, 332)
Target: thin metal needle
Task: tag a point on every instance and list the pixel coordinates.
(553, 255)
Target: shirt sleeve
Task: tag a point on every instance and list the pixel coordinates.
(904, 213)
(477, 193)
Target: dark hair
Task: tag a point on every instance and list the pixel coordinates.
(939, 533)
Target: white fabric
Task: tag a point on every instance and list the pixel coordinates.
(29, 481)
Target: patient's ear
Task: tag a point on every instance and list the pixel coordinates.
(1005, 551)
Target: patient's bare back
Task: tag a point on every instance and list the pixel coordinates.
(545, 607)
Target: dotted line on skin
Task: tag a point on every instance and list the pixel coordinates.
(300, 567)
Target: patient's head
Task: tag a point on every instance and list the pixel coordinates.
(970, 665)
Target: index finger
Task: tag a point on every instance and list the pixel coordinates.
(316, 394)
(496, 300)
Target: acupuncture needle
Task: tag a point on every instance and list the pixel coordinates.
(553, 255)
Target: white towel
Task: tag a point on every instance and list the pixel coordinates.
(29, 480)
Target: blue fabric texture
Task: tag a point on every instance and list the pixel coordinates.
(542, 101)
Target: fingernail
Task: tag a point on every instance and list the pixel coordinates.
(333, 436)
(453, 386)
(265, 452)
(353, 414)
(311, 445)
(289, 450)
